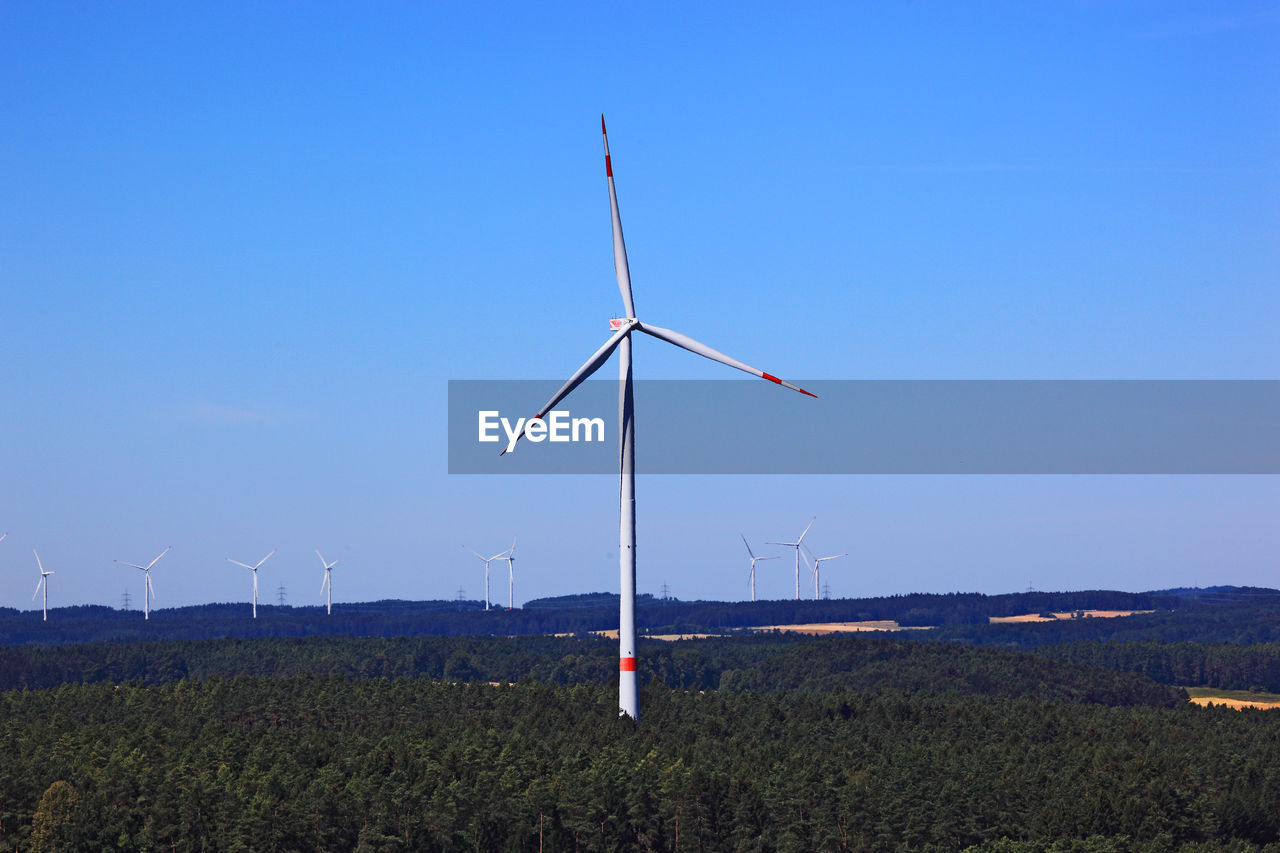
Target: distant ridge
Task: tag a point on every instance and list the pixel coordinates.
(1249, 614)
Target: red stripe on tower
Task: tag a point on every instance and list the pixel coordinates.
(771, 377)
(626, 664)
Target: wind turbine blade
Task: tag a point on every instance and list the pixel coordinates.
(512, 549)
(264, 559)
(157, 559)
(699, 348)
(326, 577)
(759, 559)
(131, 565)
(38, 563)
(744, 542)
(473, 552)
(229, 560)
(151, 587)
(619, 245)
(806, 529)
(592, 365)
(38, 585)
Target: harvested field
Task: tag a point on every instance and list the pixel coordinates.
(820, 628)
(1070, 614)
(670, 638)
(1238, 699)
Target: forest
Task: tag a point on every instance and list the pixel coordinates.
(1073, 735)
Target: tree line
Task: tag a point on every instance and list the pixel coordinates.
(966, 613)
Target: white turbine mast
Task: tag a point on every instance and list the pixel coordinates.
(628, 701)
(327, 583)
(817, 567)
(44, 583)
(254, 569)
(796, 544)
(148, 591)
(754, 560)
(501, 555)
(511, 574)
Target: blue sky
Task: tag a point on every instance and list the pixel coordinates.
(243, 248)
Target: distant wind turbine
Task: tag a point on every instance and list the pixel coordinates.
(817, 567)
(796, 544)
(754, 560)
(148, 591)
(44, 582)
(254, 569)
(4, 535)
(327, 583)
(511, 574)
(628, 697)
(501, 555)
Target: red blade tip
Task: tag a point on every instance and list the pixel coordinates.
(602, 130)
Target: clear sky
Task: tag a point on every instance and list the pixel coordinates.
(244, 246)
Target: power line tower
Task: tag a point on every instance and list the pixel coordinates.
(666, 592)
(461, 597)
(125, 600)
(826, 590)
(280, 594)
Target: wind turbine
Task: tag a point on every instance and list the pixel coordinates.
(511, 574)
(796, 544)
(817, 563)
(327, 583)
(754, 560)
(254, 569)
(628, 700)
(44, 582)
(487, 560)
(148, 592)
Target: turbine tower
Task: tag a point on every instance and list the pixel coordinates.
(254, 569)
(817, 564)
(501, 555)
(44, 583)
(327, 583)
(628, 700)
(754, 560)
(148, 592)
(511, 574)
(796, 544)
